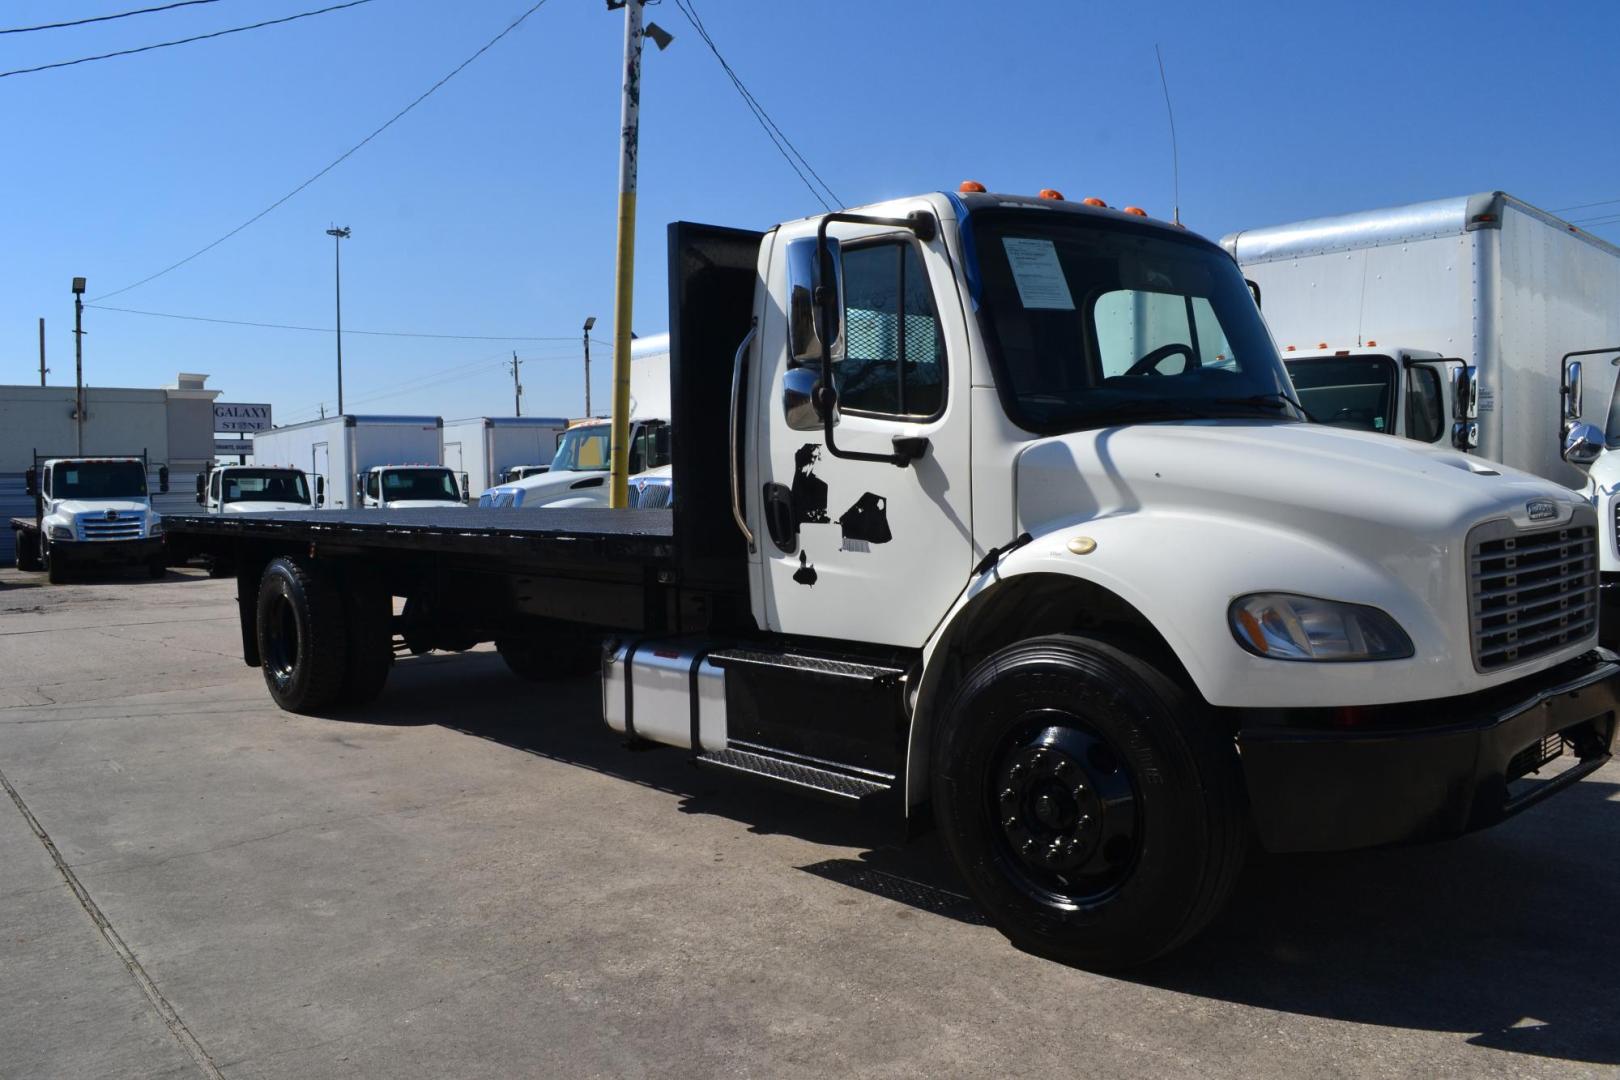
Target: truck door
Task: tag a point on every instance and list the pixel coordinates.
(867, 549)
(214, 490)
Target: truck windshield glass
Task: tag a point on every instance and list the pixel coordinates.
(1092, 324)
(98, 480)
(266, 485)
(1347, 391)
(402, 484)
(583, 449)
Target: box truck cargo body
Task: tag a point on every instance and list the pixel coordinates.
(484, 448)
(1381, 314)
(338, 449)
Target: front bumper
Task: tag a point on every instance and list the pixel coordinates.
(107, 552)
(1393, 781)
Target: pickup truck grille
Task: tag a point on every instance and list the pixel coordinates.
(1530, 592)
(128, 528)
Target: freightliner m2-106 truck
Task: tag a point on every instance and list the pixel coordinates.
(999, 508)
(360, 461)
(90, 512)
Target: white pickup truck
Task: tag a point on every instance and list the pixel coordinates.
(90, 511)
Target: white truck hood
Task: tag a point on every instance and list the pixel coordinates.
(417, 504)
(551, 485)
(259, 507)
(92, 507)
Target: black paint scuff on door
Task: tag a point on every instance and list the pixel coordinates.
(809, 490)
(805, 574)
(867, 520)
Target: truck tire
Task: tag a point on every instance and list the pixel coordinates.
(302, 636)
(27, 550)
(157, 569)
(56, 570)
(371, 645)
(551, 656)
(1093, 807)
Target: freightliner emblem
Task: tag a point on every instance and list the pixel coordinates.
(1541, 509)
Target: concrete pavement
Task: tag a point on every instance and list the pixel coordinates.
(474, 878)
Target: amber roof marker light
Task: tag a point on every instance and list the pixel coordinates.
(1051, 193)
(970, 187)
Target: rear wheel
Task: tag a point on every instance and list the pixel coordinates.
(1092, 806)
(551, 655)
(370, 614)
(302, 636)
(27, 549)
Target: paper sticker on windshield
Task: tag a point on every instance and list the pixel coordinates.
(1040, 279)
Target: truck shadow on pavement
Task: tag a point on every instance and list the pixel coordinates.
(1504, 936)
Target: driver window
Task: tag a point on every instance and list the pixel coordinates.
(1132, 324)
(371, 484)
(45, 482)
(213, 482)
(1425, 413)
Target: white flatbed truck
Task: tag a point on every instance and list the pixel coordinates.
(995, 510)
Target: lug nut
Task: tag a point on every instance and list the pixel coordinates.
(1063, 766)
(1009, 794)
(1011, 823)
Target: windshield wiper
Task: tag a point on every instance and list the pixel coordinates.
(1271, 399)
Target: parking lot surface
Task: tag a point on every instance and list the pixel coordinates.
(474, 878)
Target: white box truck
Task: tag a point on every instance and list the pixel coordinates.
(490, 450)
(361, 461)
(1469, 322)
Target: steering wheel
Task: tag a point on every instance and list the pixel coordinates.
(1149, 364)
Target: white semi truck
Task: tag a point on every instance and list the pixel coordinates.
(367, 461)
(489, 450)
(90, 512)
(997, 511)
(1477, 322)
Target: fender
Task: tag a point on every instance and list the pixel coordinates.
(1177, 573)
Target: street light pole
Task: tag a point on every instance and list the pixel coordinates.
(338, 235)
(78, 361)
(590, 321)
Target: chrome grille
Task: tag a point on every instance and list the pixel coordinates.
(1530, 592)
(128, 528)
(651, 496)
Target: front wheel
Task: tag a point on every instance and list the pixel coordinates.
(303, 637)
(1093, 807)
(56, 570)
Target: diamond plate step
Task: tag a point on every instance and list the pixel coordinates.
(827, 782)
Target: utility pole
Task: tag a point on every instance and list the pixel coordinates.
(517, 387)
(338, 236)
(624, 264)
(78, 361)
(42, 368)
(590, 321)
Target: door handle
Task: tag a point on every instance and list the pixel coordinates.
(781, 520)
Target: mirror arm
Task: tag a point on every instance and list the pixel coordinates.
(923, 225)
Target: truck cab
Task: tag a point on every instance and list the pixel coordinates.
(90, 512)
(578, 473)
(1390, 391)
(407, 486)
(256, 489)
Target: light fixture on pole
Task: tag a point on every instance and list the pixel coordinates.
(590, 321)
(338, 235)
(78, 361)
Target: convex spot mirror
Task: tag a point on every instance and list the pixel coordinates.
(163, 478)
(1582, 444)
(320, 491)
(31, 481)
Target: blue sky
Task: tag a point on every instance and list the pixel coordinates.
(489, 209)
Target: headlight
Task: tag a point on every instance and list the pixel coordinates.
(155, 528)
(61, 532)
(1284, 627)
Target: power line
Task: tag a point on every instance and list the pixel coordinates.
(104, 18)
(1587, 205)
(783, 144)
(184, 41)
(431, 380)
(328, 329)
(338, 161)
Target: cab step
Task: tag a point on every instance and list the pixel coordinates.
(826, 779)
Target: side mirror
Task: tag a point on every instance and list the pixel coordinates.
(31, 480)
(1254, 287)
(1571, 391)
(202, 484)
(1465, 407)
(465, 484)
(360, 487)
(163, 479)
(199, 498)
(807, 293)
(1582, 444)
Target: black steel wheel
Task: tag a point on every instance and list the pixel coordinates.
(302, 635)
(1092, 804)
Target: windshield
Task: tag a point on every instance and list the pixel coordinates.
(1347, 391)
(98, 480)
(582, 449)
(265, 485)
(1092, 324)
(401, 484)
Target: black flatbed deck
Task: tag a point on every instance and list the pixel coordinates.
(514, 536)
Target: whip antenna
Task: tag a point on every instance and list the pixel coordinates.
(1175, 159)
